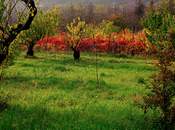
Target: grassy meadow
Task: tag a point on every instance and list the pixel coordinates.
(54, 92)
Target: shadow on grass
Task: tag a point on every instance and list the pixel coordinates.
(94, 117)
(86, 62)
(44, 82)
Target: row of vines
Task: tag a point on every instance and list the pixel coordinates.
(114, 43)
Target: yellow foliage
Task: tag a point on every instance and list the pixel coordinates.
(77, 30)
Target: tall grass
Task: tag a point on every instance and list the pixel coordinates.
(52, 91)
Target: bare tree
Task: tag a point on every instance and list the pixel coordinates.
(8, 29)
(81, 11)
(90, 13)
(70, 13)
(132, 19)
(139, 8)
(139, 11)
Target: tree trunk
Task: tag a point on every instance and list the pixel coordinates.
(76, 53)
(2, 58)
(30, 51)
(132, 53)
(4, 54)
(13, 32)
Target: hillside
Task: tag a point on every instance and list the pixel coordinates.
(47, 3)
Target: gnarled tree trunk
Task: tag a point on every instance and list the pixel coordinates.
(30, 51)
(2, 57)
(76, 53)
(10, 34)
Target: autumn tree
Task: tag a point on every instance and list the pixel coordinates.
(160, 37)
(45, 24)
(75, 36)
(9, 31)
(118, 20)
(169, 4)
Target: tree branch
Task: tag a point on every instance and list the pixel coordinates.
(13, 32)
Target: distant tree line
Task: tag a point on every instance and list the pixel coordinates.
(122, 17)
(95, 2)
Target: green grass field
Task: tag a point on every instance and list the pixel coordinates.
(54, 92)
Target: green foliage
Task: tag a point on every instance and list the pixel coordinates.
(118, 20)
(108, 27)
(43, 24)
(160, 36)
(158, 27)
